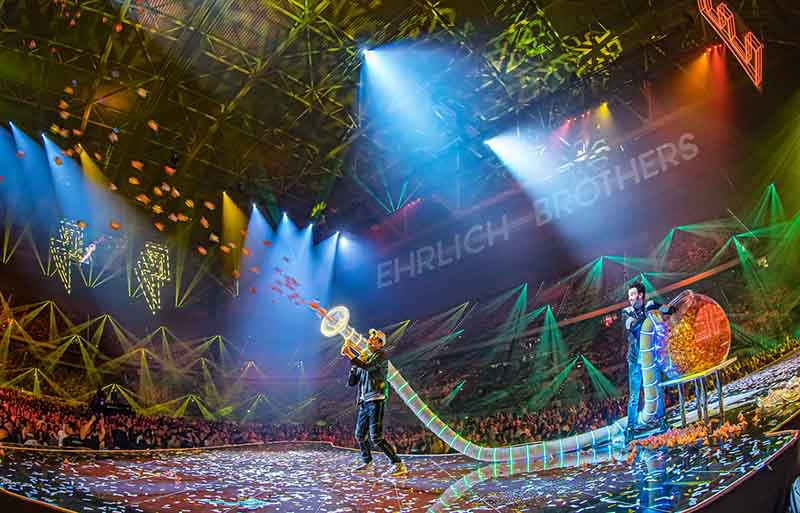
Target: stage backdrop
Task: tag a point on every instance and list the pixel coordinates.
(594, 196)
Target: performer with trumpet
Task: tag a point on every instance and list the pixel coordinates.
(368, 372)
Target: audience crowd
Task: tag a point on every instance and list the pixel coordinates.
(42, 421)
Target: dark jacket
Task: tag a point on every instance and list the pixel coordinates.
(370, 376)
(632, 319)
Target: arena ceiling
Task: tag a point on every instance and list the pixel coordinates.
(259, 97)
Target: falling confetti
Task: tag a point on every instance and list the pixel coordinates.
(204, 222)
(136, 164)
(209, 205)
(152, 125)
(189, 203)
(255, 270)
(63, 114)
(267, 243)
(115, 225)
(182, 218)
(175, 193)
(203, 251)
(225, 249)
(142, 198)
(246, 252)
(82, 225)
(113, 187)
(157, 191)
(69, 90)
(58, 161)
(237, 274)
(172, 217)
(252, 290)
(158, 209)
(159, 226)
(97, 156)
(63, 105)
(20, 154)
(142, 92)
(133, 180)
(213, 237)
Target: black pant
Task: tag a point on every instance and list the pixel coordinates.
(370, 416)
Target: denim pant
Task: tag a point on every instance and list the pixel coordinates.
(634, 391)
(370, 417)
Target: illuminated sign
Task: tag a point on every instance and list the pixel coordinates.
(749, 52)
(65, 249)
(152, 270)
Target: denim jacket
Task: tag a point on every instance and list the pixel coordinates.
(633, 318)
(370, 376)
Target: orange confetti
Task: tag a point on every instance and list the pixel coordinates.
(63, 105)
(153, 125)
(76, 132)
(169, 170)
(58, 161)
(64, 133)
(63, 114)
(68, 152)
(225, 249)
(189, 203)
(82, 225)
(136, 164)
(158, 209)
(175, 193)
(97, 156)
(113, 187)
(247, 252)
(142, 198)
(204, 222)
(209, 205)
(115, 225)
(159, 226)
(113, 137)
(118, 27)
(133, 180)
(69, 90)
(142, 92)
(252, 290)
(237, 274)
(244, 232)
(157, 191)
(203, 251)
(182, 218)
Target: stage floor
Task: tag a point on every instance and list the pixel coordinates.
(313, 477)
